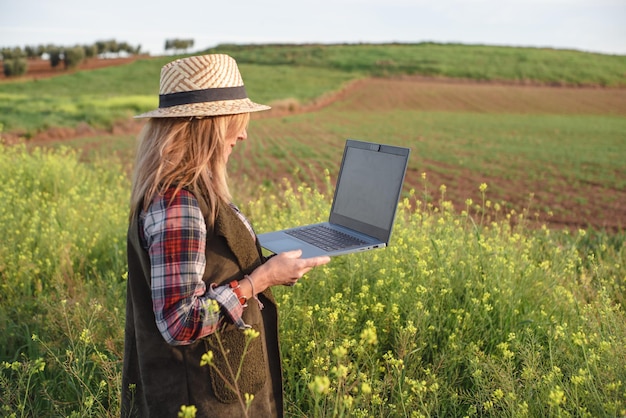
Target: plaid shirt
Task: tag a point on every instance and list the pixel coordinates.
(174, 234)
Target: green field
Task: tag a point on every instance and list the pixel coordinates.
(483, 305)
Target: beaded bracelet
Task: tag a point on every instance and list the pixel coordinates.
(253, 292)
(234, 285)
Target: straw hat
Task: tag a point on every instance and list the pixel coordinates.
(207, 85)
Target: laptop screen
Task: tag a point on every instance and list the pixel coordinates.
(368, 188)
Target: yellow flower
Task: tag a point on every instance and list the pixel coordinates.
(368, 336)
(187, 411)
(320, 385)
(340, 352)
(207, 359)
(498, 394)
(557, 396)
(366, 389)
(251, 333)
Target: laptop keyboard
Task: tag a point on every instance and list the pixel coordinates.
(325, 238)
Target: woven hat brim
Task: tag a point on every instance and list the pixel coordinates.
(217, 108)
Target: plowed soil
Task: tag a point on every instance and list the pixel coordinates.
(38, 68)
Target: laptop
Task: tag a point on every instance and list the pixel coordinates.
(363, 209)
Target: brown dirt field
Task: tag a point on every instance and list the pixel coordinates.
(605, 208)
(38, 68)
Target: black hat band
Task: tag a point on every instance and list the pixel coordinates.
(202, 96)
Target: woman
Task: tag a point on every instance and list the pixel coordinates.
(197, 277)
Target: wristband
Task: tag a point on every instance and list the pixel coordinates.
(253, 292)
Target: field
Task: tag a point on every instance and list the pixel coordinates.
(562, 145)
(502, 293)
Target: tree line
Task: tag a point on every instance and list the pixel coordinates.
(15, 59)
(178, 44)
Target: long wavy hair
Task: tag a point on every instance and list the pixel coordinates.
(184, 153)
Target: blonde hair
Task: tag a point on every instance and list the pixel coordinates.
(185, 153)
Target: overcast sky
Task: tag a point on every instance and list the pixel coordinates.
(587, 25)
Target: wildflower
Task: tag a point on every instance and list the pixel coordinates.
(85, 336)
(320, 385)
(251, 334)
(187, 411)
(368, 336)
(579, 378)
(483, 187)
(248, 398)
(366, 389)
(340, 371)
(498, 394)
(340, 352)
(506, 353)
(207, 359)
(579, 338)
(212, 306)
(39, 365)
(557, 396)
(88, 402)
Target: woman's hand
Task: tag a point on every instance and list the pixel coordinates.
(283, 269)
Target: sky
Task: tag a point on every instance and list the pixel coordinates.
(585, 25)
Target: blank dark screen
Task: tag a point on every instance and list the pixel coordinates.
(369, 185)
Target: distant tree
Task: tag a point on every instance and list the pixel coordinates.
(14, 66)
(41, 49)
(72, 57)
(178, 45)
(55, 56)
(9, 53)
(91, 51)
(106, 47)
(31, 52)
(124, 47)
(115, 48)
(101, 46)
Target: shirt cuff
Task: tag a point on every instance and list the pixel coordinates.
(230, 304)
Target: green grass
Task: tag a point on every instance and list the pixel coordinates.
(103, 96)
(476, 62)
